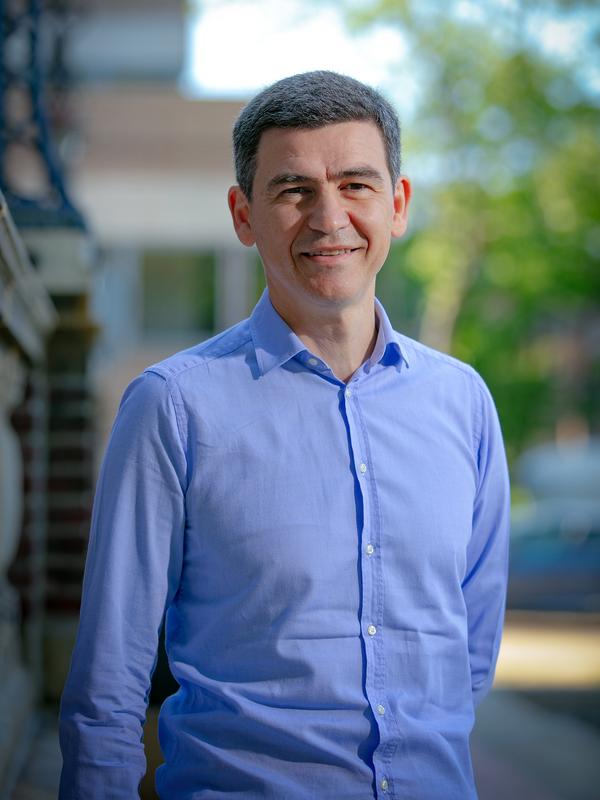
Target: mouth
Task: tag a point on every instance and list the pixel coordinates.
(329, 253)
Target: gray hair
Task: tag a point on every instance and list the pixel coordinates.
(311, 100)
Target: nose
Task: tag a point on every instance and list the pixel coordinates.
(327, 214)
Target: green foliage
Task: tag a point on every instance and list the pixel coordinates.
(501, 266)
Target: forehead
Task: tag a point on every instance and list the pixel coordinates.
(315, 151)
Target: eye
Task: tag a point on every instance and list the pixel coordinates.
(356, 187)
(296, 190)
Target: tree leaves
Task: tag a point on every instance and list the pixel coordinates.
(502, 262)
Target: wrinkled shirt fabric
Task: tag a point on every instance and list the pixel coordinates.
(332, 561)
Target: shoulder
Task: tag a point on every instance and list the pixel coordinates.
(424, 360)
(453, 385)
(200, 356)
(201, 381)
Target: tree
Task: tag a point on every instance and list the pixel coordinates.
(501, 267)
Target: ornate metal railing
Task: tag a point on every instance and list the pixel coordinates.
(32, 34)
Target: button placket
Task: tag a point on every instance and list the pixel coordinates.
(371, 580)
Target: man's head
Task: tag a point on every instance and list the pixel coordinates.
(311, 100)
(319, 193)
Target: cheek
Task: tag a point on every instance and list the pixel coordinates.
(280, 225)
(274, 245)
(375, 222)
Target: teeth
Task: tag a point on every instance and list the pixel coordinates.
(328, 252)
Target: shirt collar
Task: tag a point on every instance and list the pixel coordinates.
(275, 342)
(387, 350)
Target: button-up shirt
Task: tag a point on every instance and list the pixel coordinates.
(332, 560)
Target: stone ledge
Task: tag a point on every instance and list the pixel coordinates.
(25, 306)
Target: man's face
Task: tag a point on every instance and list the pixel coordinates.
(322, 214)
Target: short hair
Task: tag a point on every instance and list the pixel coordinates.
(311, 100)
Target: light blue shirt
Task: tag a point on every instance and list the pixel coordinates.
(332, 560)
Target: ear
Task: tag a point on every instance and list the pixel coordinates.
(402, 194)
(240, 214)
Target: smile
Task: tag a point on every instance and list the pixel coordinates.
(341, 252)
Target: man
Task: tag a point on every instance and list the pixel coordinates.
(319, 503)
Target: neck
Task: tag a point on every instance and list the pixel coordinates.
(344, 337)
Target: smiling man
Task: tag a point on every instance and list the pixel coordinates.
(323, 210)
(319, 504)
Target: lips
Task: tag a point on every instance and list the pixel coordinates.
(333, 252)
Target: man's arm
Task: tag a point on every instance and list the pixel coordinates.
(484, 587)
(132, 573)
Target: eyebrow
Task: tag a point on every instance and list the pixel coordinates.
(289, 178)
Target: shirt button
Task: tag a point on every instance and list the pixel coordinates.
(381, 710)
(371, 630)
(363, 468)
(348, 393)
(384, 785)
(370, 549)
(313, 362)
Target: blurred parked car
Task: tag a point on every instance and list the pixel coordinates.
(555, 556)
(555, 540)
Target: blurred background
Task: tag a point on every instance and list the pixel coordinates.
(116, 249)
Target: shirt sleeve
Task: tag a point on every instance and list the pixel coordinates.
(132, 572)
(484, 587)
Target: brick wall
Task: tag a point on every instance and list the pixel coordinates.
(70, 481)
(55, 425)
(27, 573)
